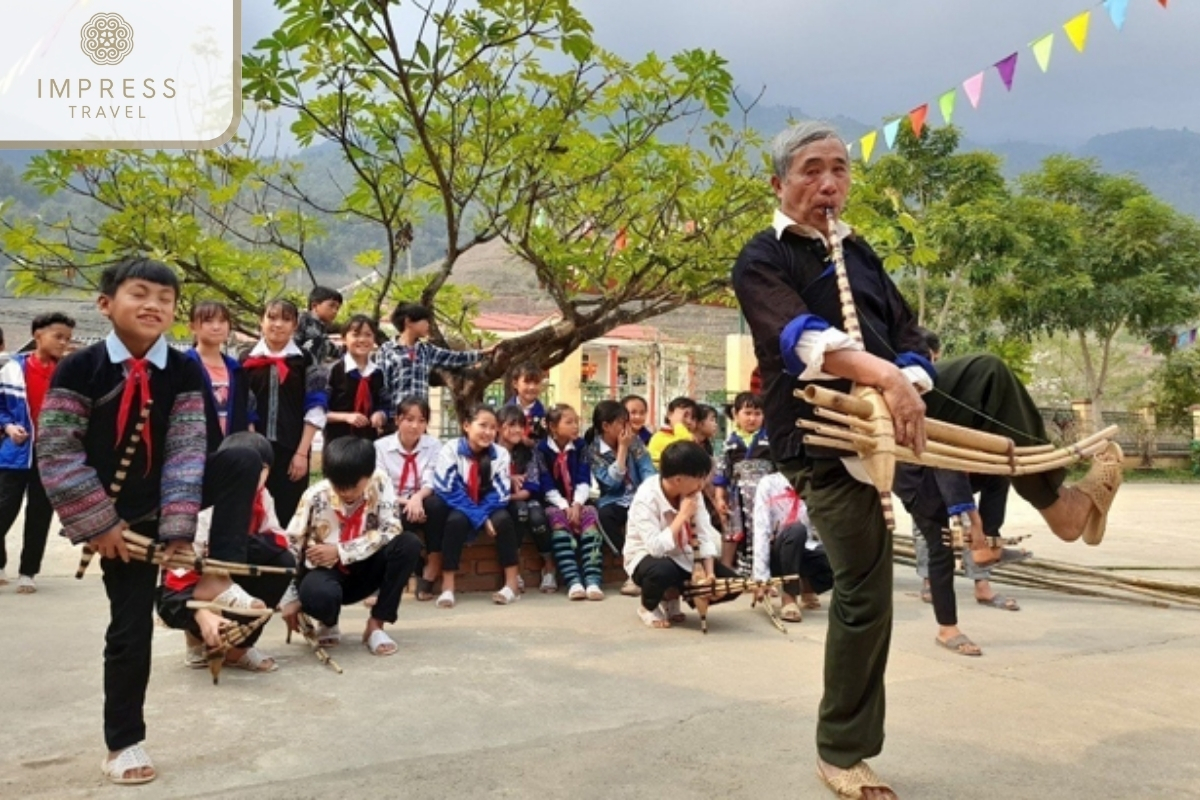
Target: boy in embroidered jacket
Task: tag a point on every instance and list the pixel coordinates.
(24, 381)
(86, 424)
(347, 535)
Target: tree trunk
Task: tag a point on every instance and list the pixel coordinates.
(1093, 386)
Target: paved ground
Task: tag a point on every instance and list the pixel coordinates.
(1073, 698)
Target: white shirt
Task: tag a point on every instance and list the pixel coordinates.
(389, 458)
(648, 531)
(351, 365)
(583, 491)
(314, 416)
(776, 506)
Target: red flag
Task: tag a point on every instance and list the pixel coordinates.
(917, 118)
(1162, 3)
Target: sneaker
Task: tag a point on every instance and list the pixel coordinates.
(594, 592)
(25, 585)
(576, 592)
(549, 585)
(631, 589)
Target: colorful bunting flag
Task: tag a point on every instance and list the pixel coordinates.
(1007, 67)
(1162, 3)
(917, 118)
(867, 145)
(1077, 29)
(1041, 50)
(1117, 10)
(973, 86)
(889, 132)
(946, 103)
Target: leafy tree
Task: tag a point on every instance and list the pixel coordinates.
(1177, 386)
(510, 122)
(1095, 254)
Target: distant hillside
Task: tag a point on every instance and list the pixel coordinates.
(1167, 161)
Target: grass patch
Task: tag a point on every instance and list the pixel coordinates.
(1144, 475)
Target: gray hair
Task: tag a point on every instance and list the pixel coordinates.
(794, 139)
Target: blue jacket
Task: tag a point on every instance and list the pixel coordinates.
(552, 491)
(241, 407)
(617, 487)
(450, 483)
(14, 410)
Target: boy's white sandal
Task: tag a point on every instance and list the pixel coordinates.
(234, 600)
(445, 600)
(380, 644)
(595, 593)
(505, 597)
(130, 759)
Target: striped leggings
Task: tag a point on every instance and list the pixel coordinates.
(578, 556)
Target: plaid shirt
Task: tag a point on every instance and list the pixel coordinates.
(312, 338)
(406, 369)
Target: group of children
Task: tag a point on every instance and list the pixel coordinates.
(209, 454)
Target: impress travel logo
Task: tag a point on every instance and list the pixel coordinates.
(120, 73)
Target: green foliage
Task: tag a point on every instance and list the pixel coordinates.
(1177, 386)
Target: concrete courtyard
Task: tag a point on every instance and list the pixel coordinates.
(1073, 697)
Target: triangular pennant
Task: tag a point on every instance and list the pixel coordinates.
(1007, 67)
(1118, 10)
(946, 103)
(1162, 3)
(1041, 50)
(849, 147)
(867, 145)
(973, 86)
(889, 132)
(917, 118)
(1077, 29)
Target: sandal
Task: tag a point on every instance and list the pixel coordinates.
(576, 592)
(960, 644)
(131, 759)
(195, 657)
(505, 597)
(549, 584)
(926, 594)
(653, 619)
(811, 602)
(791, 613)
(594, 592)
(25, 584)
(254, 660)
(1100, 485)
(425, 590)
(380, 644)
(329, 637)
(999, 601)
(445, 600)
(234, 600)
(851, 782)
(631, 589)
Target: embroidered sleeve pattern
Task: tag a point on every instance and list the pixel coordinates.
(183, 467)
(74, 489)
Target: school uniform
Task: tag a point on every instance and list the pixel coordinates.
(289, 388)
(535, 419)
(784, 540)
(528, 514)
(472, 489)
(375, 554)
(88, 416)
(24, 382)
(653, 558)
(746, 460)
(410, 471)
(353, 390)
(618, 483)
(567, 481)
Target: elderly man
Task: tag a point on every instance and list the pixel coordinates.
(787, 289)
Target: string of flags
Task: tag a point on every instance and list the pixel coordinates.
(1076, 30)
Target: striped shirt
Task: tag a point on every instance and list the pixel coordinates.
(406, 369)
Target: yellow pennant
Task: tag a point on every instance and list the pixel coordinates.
(1077, 30)
(1041, 50)
(867, 144)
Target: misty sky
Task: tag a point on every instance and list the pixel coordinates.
(871, 59)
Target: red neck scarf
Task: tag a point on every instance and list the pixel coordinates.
(279, 362)
(410, 468)
(562, 471)
(258, 513)
(362, 395)
(473, 479)
(352, 523)
(137, 381)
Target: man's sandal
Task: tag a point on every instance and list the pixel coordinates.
(961, 644)
(1100, 485)
(131, 759)
(810, 602)
(380, 644)
(234, 600)
(253, 660)
(999, 601)
(653, 619)
(850, 783)
(425, 590)
(790, 613)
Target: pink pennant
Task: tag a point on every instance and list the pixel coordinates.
(1008, 69)
(973, 86)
